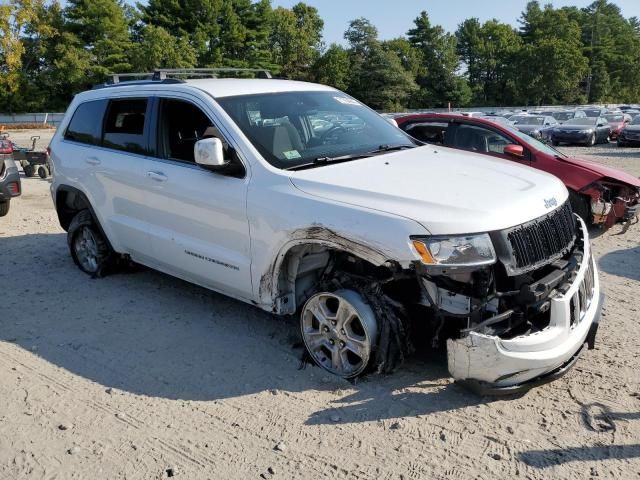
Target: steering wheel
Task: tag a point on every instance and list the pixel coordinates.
(332, 130)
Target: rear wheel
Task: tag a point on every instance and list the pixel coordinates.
(43, 172)
(340, 331)
(4, 208)
(89, 249)
(28, 171)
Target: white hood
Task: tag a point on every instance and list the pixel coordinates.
(445, 190)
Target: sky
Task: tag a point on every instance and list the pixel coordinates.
(395, 17)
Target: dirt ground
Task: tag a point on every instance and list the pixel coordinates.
(143, 376)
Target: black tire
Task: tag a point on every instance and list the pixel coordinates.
(581, 206)
(42, 172)
(4, 208)
(593, 140)
(555, 143)
(28, 171)
(94, 259)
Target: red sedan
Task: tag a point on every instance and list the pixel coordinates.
(601, 195)
(617, 121)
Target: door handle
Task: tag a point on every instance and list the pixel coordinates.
(92, 161)
(157, 176)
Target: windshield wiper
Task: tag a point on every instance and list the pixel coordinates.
(325, 160)
(345, 158)
(390, 148)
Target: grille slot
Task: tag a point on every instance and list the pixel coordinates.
(544, 238)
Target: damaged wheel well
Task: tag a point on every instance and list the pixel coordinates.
(306, 265)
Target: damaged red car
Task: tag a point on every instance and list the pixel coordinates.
(601, 195)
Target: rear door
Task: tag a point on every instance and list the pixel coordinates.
(103, 150)
(202, 233)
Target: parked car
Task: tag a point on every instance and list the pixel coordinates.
(473, 114)
(601, 195)
(632, 113)
(10, 185)
(630, 135)
(594, 112)
(537, 126)
(564, 115)
(586, 131)
(500, 119)
(359, 230)
(617, 121)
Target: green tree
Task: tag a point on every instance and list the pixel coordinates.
(437, 77)
(552, 66)
(333, 67)
(103, 29)
(489, 52)
(157, 48)
(378, 76)
(296, 39)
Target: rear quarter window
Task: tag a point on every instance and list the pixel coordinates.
(86, 123)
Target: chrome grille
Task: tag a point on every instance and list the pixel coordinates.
(581, 300)
(543, 239)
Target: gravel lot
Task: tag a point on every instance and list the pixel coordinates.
(141, 375)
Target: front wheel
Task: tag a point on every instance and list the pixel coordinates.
(4, 208)
(89, 249)
(592, 140)
(340, 332)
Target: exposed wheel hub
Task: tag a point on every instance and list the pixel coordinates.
(339, 330)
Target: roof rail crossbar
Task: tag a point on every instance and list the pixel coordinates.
(162, 74)
(114, 78)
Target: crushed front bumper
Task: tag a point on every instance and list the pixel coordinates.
(492, 365)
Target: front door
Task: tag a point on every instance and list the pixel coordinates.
(202, 233)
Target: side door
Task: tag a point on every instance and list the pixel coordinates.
(488, 141)
(201, 233)
(110, 139)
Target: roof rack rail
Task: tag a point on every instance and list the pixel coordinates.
(175, 75)
(165, 73)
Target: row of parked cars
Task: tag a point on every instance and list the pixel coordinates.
(601, 195)
(584, 126)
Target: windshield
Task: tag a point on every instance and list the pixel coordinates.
(562, 116)
(615, 118)
(636, 120)
(528, 120)
(582, 121)
(593, 113)
(538, 145)
(291, 129)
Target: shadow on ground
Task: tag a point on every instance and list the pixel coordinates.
(623, 263)
(151, 334)
(559, 456)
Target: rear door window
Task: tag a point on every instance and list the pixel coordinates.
(86, 123)
(429, 132)
(125, 125)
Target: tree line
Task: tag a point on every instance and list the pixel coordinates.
(568, 55)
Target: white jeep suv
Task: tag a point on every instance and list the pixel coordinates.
(299, 199)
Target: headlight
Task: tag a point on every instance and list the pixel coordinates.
(586, 131)
(456, 251)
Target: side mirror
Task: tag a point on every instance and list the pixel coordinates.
(210, 154)
(514, 150)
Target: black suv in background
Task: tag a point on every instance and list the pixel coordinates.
(9, 177)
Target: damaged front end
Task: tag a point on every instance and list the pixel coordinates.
(522, 319)
(612, 203)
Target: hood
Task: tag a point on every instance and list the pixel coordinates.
(602, 170)
(529, 128)
(573, 128)
(447, 191)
